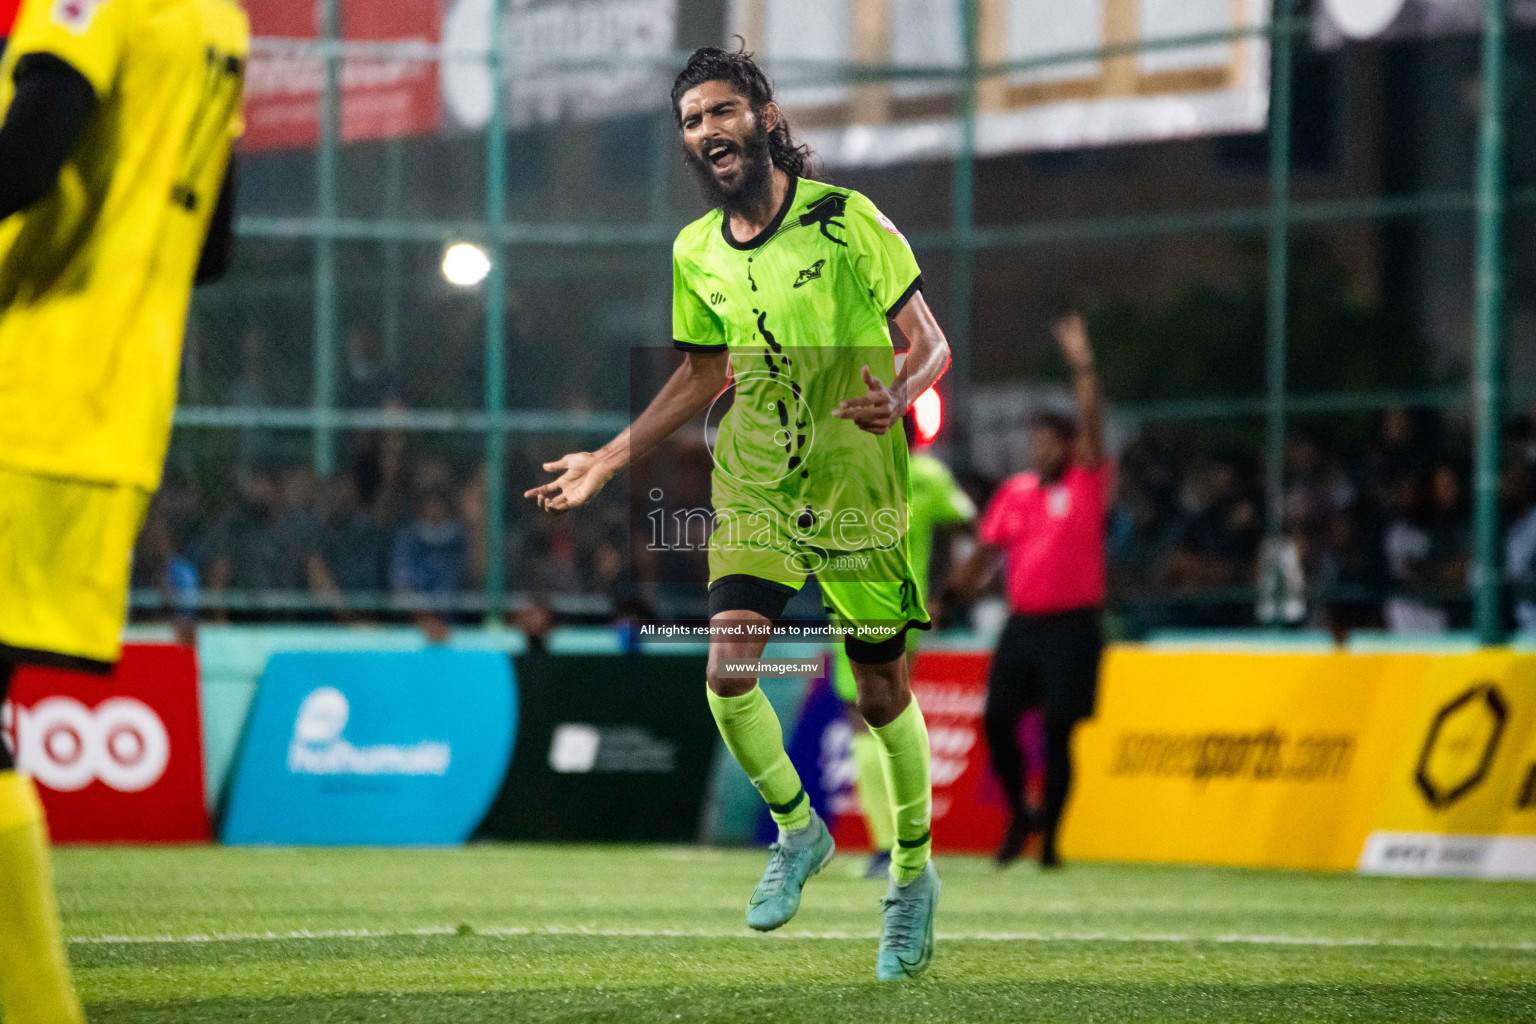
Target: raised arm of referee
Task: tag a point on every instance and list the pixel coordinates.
(1048, 526)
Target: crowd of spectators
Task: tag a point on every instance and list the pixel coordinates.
(390, 536)
(1380, 526)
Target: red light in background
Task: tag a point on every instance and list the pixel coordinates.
(929, 409)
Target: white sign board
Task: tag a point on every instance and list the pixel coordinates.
(568, 59)
(1059, 94)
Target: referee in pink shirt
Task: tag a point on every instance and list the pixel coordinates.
(1048, 524)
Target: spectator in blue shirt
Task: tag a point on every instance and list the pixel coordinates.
(428, 562)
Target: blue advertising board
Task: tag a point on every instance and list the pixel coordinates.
(373, 749)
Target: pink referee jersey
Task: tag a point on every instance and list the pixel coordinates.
(1053, 537)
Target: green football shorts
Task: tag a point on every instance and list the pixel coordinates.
(871, 595)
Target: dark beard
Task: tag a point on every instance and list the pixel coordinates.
(756, 180)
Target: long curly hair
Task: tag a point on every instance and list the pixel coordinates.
(711, 64)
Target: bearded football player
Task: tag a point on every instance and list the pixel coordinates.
(783, 292)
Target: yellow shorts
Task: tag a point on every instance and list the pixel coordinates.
(66, 550)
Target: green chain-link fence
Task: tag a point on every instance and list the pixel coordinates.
(336, 363)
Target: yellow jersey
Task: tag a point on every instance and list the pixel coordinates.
(96, 278)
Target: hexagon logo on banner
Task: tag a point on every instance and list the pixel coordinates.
(1458, 751)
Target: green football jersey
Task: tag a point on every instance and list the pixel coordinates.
(802, 308)
(936, 501)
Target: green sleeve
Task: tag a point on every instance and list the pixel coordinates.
(695, 328)
(958, 506)
(880, 255)
(936, 498)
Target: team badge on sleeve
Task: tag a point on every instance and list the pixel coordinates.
(75, 15)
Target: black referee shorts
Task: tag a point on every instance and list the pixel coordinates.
(1049, 662)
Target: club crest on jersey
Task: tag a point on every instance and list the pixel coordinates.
(826, 212)
(810, 273)
(76, 15)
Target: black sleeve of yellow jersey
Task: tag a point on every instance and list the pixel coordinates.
(50, 108)
(219, 246)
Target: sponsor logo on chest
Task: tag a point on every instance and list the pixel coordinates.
(810, 273)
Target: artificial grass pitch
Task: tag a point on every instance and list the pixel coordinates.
(553, 933)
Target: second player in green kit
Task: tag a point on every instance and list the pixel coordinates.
(782, 296)
(934, 501)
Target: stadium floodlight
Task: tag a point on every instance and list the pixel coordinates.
(1364, 19)
(466, 264)
(929, 409)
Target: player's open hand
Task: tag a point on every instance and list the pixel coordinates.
(1072, 335)
(876, 410)
(582, 475)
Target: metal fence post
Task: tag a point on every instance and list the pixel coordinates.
(664, 142)
(495, 321)
(1279, 259)
(326, 206)
(1488, 355)
(393, 299)
(963, 204)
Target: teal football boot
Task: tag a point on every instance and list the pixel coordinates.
(906, 938)
(791, 861)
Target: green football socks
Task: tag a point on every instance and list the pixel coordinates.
(874, 798)
(904, 756)
(753, 736)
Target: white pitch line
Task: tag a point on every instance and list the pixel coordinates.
(1325, 941)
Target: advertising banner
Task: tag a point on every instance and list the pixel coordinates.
(116, 760)
(610, 748)
(1215, 85)
(373, 749)
(969, 814)
(381, 97)
(1402, 763)
(1460, 797)
(569, 59)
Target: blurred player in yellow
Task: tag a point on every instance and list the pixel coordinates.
(116, 193)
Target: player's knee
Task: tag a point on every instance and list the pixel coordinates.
(721, 681)
(879, 709)
(884, 691)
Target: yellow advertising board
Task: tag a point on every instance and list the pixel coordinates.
(1402, 763)
(1461, 793)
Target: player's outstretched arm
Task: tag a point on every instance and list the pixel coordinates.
(927, 359)
(1072, 335)
(50, 108)
(686, 393)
